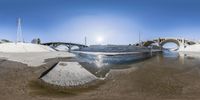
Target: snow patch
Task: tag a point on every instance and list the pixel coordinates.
(190, 48)
(34, 59)
(24, 47)
(68, 74)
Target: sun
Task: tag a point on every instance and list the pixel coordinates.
(99, 39)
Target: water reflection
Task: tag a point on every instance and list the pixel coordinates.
(99, 61)
(105, 59)
(168, 53)
(168, 74)
(100, 64)
(189, 58)
(182, 59)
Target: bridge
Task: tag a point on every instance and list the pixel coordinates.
(69, 45)
(162, 41)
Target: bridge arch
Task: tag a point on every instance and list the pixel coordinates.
(162, 41)
(177, 42)
(64, 47)
(70, 46)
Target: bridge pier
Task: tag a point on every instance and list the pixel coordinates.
(80, 47)
(159, 44)
(69, 47)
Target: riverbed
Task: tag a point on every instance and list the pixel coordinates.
(165, 76)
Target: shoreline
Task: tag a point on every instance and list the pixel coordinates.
(141, 80)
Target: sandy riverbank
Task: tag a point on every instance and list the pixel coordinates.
(143, 81)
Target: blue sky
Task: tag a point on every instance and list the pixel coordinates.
(114, 21)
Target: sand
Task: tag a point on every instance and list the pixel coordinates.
(152, 79)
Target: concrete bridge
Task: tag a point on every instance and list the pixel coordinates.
(69, 45)
(163, 41)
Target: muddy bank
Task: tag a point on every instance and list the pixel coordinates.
(21, 82)
(152, 79)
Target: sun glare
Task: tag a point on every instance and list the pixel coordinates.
(99, 39)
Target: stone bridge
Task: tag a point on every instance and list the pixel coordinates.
(163, 41)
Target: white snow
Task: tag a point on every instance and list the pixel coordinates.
(24, 47)
(30, 54)
(34, 59)
(68, 74)
(190, 48)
